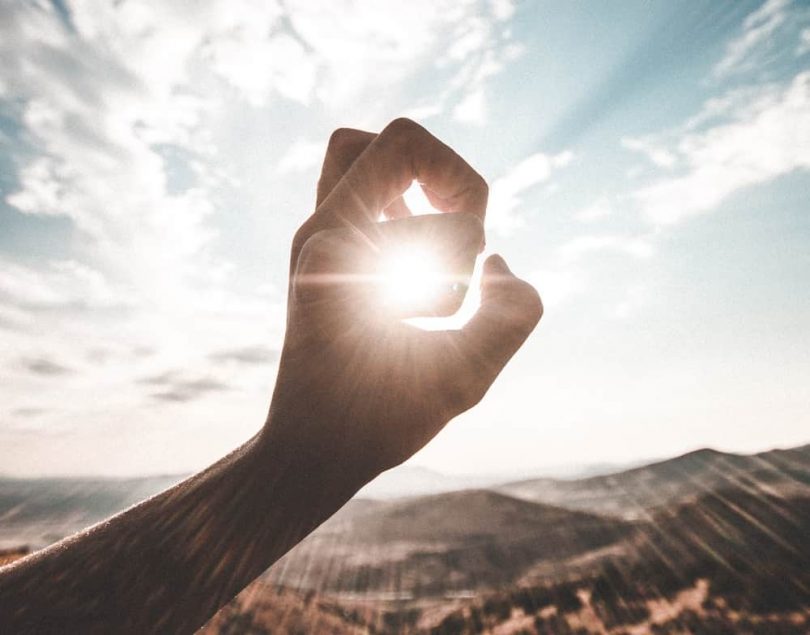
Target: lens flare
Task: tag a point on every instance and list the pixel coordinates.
(410, 277)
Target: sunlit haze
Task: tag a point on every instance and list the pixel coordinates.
(411, 275)
(648, 162)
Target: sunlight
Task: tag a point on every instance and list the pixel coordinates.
(416, 200)
(417, 276)
(472, 300)
(411, 278)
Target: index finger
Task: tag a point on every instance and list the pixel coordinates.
(402, 152)
(345, 145)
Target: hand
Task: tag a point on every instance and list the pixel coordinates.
(357, 393)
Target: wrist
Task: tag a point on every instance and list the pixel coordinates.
(304, 475)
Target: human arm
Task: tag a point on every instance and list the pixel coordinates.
(355, 395)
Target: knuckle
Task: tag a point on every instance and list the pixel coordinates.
(340, 138)
(483, 185)
(402, 129)
(302, 234)
(298, 244)
(313, 248)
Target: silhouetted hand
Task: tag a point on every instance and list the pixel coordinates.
(358, 390)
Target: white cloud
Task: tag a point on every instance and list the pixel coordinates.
(471, 109)
(502, 9)
(98, 104)
(302, 155)
(804, 42)
(717, 108)
(581, 246)
(758, 30)
(484, 50)
(507, 192)
(94, 105)
(557, 286)
(598, 210)
(137, 74)
(659, 156)
(763, 139)
(67, 330)
(61, 284)
(473, 36)
(634, 299)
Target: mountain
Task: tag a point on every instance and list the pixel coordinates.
(442, 544)
(726, 562)
(281, 611)
(631, 494)
(707, 542)
(38, 512)
(408, 480)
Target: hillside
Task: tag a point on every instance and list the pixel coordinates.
(724, 563)
(633, 493)
(440, 544)
(717, 544)
(37, 512)
(267, 609)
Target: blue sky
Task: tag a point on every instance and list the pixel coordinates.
(649, 165)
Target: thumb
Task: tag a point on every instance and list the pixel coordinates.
(510, 309)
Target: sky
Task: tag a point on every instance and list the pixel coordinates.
(649, 165)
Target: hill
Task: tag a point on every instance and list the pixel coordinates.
(266, 609)
(38, 512)
(726, 562)
(442, 544)
(631, 494)
(707, 542)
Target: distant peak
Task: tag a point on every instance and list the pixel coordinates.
(704, 452)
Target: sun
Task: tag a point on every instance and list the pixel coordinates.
(411, 278)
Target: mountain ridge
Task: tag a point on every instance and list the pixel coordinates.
(632, 493)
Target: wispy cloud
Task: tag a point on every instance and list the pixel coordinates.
(661, 157)
(113, 99)
(166, 150)
(257, 354)
(581, 246)
(600, 209)
(99, 97)
(759, 141)
(557, 286)
(757, 34)
(301, 155)
(58, 286)
(804, 43)
(507, 192)
(633, 300)
(45, 366)
(27, 412)
(189, 390)
(179, 386)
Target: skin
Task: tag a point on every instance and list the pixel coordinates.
(356, 394)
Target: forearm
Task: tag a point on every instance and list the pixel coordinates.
(168, 564)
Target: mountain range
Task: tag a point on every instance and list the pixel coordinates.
(707, 542)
